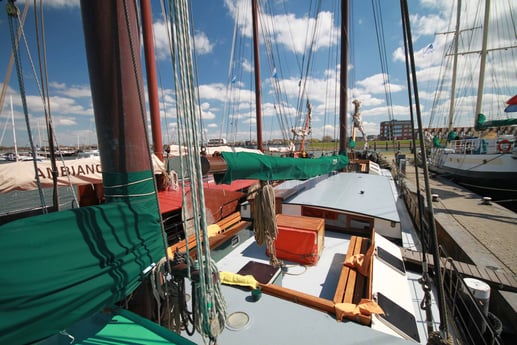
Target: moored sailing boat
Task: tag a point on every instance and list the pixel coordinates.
(482, 158)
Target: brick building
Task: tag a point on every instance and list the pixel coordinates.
(396, 130)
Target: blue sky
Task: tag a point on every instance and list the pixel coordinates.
(213, 30)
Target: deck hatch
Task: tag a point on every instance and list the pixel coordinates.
(391, 260)
(398, 317)
(263, 273)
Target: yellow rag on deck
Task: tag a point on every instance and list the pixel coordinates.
(238, 279)
(361, 262)
(349, 310)
(213, 229)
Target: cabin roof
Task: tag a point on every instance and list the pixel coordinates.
(365, 194)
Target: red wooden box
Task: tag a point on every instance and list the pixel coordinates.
(300, 239)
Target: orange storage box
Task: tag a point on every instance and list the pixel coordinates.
(300, 239)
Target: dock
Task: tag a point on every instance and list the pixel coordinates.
(501, 280)
(480, 237)
(471, 231)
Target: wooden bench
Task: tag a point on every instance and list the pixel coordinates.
(229, 226)
(353, 286)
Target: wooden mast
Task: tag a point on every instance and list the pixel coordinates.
(258, 97)
(343, 80)
(152, 83)
(482, 63)
(112, 42)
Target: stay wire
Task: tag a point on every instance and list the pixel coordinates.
(14, 12)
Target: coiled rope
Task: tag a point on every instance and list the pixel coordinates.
(264, 215)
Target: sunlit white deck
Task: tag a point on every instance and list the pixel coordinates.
(276, 321)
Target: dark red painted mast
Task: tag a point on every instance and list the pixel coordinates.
(343, 80)
(152, 83)
(258, 97)
(113, 49)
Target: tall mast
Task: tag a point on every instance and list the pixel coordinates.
(258, 97)
(481, 84)
(454, 65)
(343, 80)
(114, 67)
(14, 131)
(152, 83)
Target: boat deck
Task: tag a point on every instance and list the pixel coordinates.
(298, 277)
(276, 321)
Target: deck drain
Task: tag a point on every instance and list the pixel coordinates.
(237, 321)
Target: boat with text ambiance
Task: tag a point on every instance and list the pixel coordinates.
(282, 250)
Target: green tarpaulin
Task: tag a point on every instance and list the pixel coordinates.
(59, 268)
(117, 327)
(482, 123)
(245, 165)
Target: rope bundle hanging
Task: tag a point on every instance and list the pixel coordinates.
(216, 307)
(208, 304)
(264, 215)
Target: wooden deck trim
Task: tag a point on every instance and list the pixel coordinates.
(229, 226)
(341, 287)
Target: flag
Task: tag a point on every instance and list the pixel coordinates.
(512, 105)
(274, 73)
(428, 49)
(234, 79)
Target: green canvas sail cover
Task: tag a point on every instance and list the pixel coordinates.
(436, 142)
(117, 327)
(482, 123)
(253, 166)
(61, 267)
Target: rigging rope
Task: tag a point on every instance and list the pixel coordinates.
(209, 311)
(383, 60)
(13, 15)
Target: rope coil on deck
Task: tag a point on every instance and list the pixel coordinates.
(264, 215)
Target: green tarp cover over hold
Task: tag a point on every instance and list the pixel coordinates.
(253, 166)
(59, 268)
(482, 123)
(117, 327)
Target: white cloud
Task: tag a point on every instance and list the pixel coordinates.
(377, 84)
(202, 43)
(75, 91)
(62, 3)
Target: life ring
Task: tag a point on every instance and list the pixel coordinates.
(504, 146)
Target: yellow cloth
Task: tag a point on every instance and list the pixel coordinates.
(369, 307)
(213, 229)
(361, 262)
(355, 261)
(238, 279)
(349, 310)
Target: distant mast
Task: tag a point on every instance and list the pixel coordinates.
(343, 80)
(481, 83)
(152, 83)
(454, 66)
(258, 97)
(14, 131)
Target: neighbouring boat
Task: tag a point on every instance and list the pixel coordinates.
(300, 262)
(482, 158)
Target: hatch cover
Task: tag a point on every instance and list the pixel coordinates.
(398, 317)
(391, 260)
